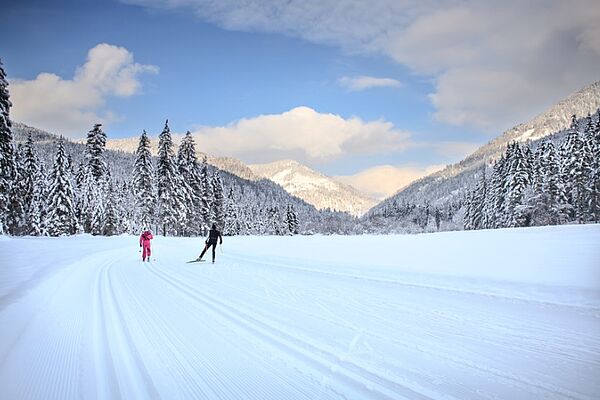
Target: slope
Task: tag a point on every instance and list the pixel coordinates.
(449, 183)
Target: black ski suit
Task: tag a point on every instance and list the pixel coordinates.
(213, 236)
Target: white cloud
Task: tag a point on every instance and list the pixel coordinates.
(358, 83)
(301, 134)
(71, 106)
(385, 180)
(493, 63)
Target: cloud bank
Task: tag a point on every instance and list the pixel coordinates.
(71, 106)
(302, 134)
(492, 63)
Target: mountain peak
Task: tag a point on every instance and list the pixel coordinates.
(313, 187)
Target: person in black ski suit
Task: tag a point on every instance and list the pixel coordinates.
(211, 240)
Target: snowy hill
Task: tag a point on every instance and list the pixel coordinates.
(451, 182)
(253, 198)
(304, 317)
(314, 188)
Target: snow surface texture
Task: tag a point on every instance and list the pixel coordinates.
(508, 314)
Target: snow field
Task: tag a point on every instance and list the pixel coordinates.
(512, 314)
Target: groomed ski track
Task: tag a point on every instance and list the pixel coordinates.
(303, 318)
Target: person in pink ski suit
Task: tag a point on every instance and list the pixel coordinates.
(145, 238)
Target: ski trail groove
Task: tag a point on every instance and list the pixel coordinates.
(120, 372)
(354, 376)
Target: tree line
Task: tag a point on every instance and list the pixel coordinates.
(172, 193)
(555, 181)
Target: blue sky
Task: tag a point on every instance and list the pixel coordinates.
(246, 78)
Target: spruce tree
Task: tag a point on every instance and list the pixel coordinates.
(112, 217)
(143, 183)
(190, 187)
(7, 156)
(217, 203)
(61, 210)
(95, 158)
(38, 205)
(232, 224)
(170, 209)
(18, 212)
(205, 214)
(575, 158)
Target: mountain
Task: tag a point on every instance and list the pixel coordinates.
(314, 188)
(317, 189)
(450, 183)
(258, 204)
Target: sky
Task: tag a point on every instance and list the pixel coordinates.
(376, 92)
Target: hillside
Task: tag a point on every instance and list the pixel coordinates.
(313, 187)
(450, 183)
(259, 205)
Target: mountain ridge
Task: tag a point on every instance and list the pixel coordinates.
(450, 183)
(314, 187)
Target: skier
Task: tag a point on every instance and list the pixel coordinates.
(211, 240)
(145, 239)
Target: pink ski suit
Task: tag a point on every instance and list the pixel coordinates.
(145, 244)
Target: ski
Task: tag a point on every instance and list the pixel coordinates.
(195, 261)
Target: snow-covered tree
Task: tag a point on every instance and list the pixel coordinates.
(143, 187)
(95, 158)
(291, 220)
(170, 208)
(7, 156)
(217, 203)
(206, 199)
(38, 205)
(190, 186)
(61, 210)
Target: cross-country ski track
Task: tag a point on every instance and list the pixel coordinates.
(505, 314)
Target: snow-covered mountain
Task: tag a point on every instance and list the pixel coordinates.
(314, 188)
(450, 183)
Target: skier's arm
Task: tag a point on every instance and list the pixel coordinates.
(220, 238)
(141, 240)
(150, 236)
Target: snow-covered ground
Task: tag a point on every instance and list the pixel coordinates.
(505, 314)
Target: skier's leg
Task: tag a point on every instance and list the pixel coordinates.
(214, 248)
(143, 252)
(149, 252)
(203, 251)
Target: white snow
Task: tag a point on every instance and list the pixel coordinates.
(506, 314)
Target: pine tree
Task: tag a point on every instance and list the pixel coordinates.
(217, 203)
(170, 208)
(112, 217)
(575, 165)
(594, 179)
(292, 220)
(95, 158)
(143, 183)
(205, 213)
(232, 224)
(190, 187)
(478, 200)
(17, 217)
(7, 156)
(518, 180)
(38, 205)
(61, 218)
